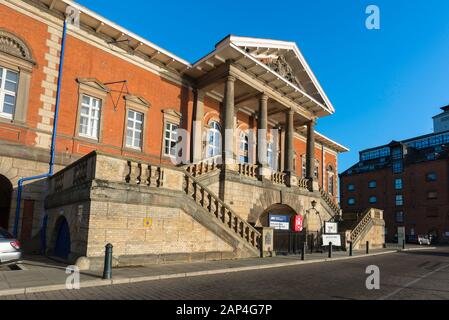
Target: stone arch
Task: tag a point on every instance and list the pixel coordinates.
(13, 45)
(6, 192)
(279, 209)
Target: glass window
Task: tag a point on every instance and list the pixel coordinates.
(8, 92)
(431, 176)
(397, 167)
(350, 187)
(134, 129)
(397, 154)
(270, 158)
(373, 199)
(316, 170)
(372, 184)
(330, 186)
(398, 184)
(89, 117)
(170, 139)
(399, 216)
(244, 147)
(304, 166)
(214, 139)
(351, 201)
(399, 200)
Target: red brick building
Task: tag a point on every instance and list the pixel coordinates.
(125, 96)
(407, 179)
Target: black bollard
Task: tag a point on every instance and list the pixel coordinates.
(403, 244)
(350, 248)
(311, 243)
(107, 271)
(367, 247)
(330, 250)
(303, 251)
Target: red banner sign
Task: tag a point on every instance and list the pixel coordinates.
(298, 223)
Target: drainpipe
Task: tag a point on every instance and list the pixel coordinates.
(53, 137)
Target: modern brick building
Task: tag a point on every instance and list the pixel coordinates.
(124, 102)
(408, 179)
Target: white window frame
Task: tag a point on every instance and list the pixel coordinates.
(93, 117)
(270, 154)
(214, 148)
(243, 147)
(4, 92)
(135, 131)
(172, 129)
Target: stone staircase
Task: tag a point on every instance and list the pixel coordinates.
(222, 213)
(367, 226)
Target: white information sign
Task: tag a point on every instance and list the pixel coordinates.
(330, 227)
(335, 239)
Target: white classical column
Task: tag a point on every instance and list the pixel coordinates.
(292, 179)
(262, 132)
(229, 123)
(197, 128)
(310, 154)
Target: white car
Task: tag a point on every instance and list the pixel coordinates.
(424, 240)
(9, 248)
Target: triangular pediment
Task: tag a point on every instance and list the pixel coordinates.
(93, 83)
(285, 59)
(137, 99)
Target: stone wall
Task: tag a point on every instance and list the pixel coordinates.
(148, 230)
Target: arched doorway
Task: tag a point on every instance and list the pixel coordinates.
(6, 190)
(286, 240)
(62, 243)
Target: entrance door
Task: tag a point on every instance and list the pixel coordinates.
(5, 201)
(62, 245)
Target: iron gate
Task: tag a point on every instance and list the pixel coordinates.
(288, 242)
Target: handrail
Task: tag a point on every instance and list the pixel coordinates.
(358, 230)
(212, 203)
(204, 166)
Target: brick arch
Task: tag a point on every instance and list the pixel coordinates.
(209, 116)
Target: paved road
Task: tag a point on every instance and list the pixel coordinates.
(409, 275)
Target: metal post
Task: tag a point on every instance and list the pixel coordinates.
(350, 248)
(311, 243)
(303, 251)
(403, 244)
(367, 247)
(107, 271)
(330, 250)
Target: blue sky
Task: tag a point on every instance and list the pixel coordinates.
(385, 84)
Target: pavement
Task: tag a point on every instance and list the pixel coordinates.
(40, 275)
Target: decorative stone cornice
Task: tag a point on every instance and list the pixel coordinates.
(11, 44)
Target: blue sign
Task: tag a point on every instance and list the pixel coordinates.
(279, 222)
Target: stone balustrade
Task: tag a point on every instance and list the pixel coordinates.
(209, 201)
(203, 167)
(248, 170)
(304, 183)
(279, 178)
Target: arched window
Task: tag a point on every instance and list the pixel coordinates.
(270, 155)
(16, 64)
(316, 170)
(331, 180)
(294, 161)
(214, 139)
(303, 166)
(243, 147)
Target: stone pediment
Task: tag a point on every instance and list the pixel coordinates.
(93, 83)
(137, 99)
(14, 46)
(280, 65)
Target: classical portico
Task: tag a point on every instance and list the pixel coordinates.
(269, 81)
